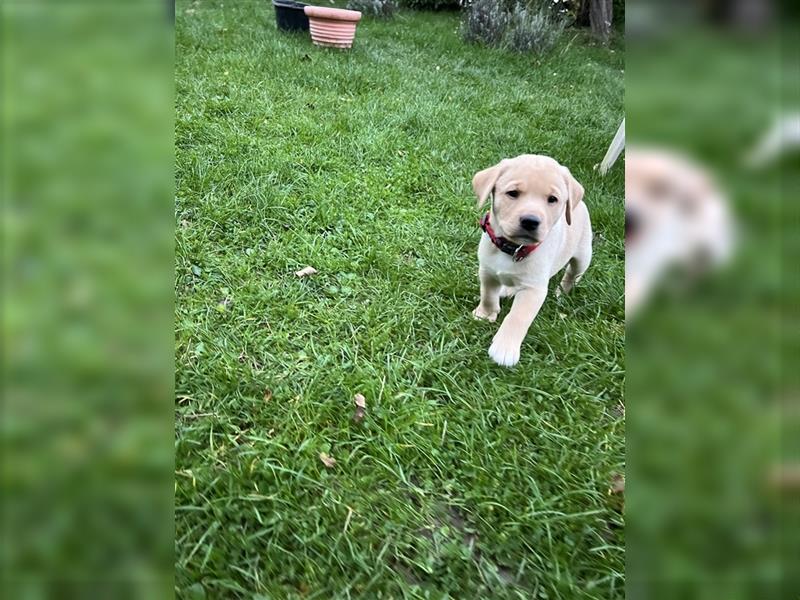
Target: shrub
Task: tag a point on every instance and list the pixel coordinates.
(531, 27)
(383, 9)
(533, 30)
(485, 22)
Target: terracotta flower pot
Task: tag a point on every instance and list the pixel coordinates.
(333, 27)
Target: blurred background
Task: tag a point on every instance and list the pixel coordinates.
(711, 391)
(86, 426)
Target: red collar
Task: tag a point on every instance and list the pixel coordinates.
(516, 251)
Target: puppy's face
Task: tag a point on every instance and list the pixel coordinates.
(670, 200)
(530, 193)
(660, 191)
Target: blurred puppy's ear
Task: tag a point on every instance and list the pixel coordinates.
(483, 181)
(575, 193)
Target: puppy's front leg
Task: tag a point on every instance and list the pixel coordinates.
(508, 339)
(489, 306)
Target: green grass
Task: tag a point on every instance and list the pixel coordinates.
(465, 480)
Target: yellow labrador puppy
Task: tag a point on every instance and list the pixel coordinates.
(536, 225)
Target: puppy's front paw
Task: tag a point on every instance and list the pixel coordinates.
(504, 352)
(480, 313)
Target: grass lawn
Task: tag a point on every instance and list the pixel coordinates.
(464, 480)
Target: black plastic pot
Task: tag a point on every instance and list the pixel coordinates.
(289, 15)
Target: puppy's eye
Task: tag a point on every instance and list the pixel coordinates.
(552, 199)
(513, 193)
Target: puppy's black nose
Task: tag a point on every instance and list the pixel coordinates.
(631, 223)
(529, 223)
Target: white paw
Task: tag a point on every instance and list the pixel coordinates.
(504, 353)
(479, 313)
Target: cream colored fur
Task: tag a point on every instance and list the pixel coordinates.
(564, 235)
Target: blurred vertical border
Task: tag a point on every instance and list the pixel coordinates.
(713, 452)
(86, 428)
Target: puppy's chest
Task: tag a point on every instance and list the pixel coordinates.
(531, 270)
(508, 273)
(507, 278)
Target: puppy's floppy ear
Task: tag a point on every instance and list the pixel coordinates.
(575, 190)
(484, 181)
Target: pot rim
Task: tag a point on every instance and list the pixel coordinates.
(289, 4)
(335, 14)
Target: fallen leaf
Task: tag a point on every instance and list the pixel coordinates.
(361, 408)
(267, 395)
(785, 477)
(327, 460)
(305, 272)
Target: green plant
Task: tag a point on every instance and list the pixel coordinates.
(521, 27)
(532, 30)
(567, 10)
(383, 9)
(485, 22)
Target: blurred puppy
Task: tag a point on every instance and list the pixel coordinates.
(675, 218)
(537, 224)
